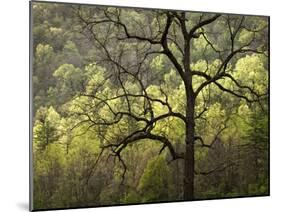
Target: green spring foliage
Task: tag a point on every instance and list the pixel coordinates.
(71, 167)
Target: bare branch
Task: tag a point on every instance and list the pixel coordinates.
(217, 169)
(203, 23)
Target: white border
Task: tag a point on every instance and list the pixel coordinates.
(14, 105)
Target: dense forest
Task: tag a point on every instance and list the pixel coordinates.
(138, 106)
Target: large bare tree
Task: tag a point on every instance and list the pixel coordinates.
(155, 34)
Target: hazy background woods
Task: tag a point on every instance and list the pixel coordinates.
(74, 126)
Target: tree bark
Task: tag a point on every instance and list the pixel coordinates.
(189, 128)
(189, 148)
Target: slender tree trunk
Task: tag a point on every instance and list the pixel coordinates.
(189, 150)
(189, 128)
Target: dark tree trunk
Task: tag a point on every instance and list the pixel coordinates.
(188, 179)
(189, 149)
